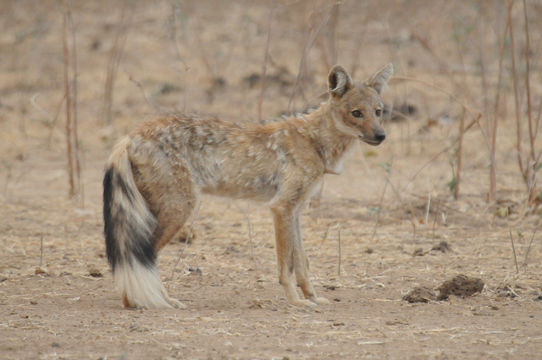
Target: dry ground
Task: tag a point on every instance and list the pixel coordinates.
(57, 299)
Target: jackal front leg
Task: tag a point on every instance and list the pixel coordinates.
(285, 236)
(301, 266)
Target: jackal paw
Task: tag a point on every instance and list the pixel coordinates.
(319, 300)
(175, 303)
(302, 302)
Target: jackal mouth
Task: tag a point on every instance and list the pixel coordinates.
(373, 142)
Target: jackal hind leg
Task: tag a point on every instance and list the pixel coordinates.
(301, 266)
(172, 197)
(285, 235)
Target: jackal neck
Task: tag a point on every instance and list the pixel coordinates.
(330, 143)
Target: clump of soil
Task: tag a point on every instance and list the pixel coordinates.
(461, 285)
(420, 294)
(443, 246)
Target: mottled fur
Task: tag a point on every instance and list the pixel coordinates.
(155, 175)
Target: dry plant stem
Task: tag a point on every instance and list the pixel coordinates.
(140, 87)
(442, 64)
(533, 163)
(514, 252)
(340, 252)
(447, 148)
(427, 208)
(74, 135)
(492, 194)
(250, 238)
(178, 260)
(115, 56)
(311, 36)
(516, 91)
(379, 209)
(69, 99)
(435, 221)
(459, 154)
(483, 72)
(54, 121)
(265, 59)
(41, 250)
(179, 56)
(473, 113)
(527, 168)
(327, 43)
(528, 250)
(527, 84)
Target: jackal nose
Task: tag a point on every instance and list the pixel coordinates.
(380, 136)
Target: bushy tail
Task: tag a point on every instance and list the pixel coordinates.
(128, 228)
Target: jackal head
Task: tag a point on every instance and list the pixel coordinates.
(357, 109)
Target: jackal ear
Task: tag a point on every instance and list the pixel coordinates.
(379, 80)
(339, 82)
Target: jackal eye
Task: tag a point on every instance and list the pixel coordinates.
(378, 112)
(357, 114)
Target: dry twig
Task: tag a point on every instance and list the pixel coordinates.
(266, 59)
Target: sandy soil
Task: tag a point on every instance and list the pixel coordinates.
(369, 237)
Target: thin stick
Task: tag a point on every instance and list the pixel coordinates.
(459, 154)
(428, 208)
(140, 87)
(474, 113)
(516, 92)
(178, 260)
(531, 184)
(74, 136)
(434, 157)
(115, 55)
(311, 36)
(528, 250)
(379, 209)
(514, 251)
(340, 252)
(250, 241)
(69, 98)
(435, 221)
(266, 59)
(41, 250)
(492, 194)
(326, 233)
(179, 56)
(527, 83)
(53, 123)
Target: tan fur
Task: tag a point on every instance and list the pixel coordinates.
(174, 159)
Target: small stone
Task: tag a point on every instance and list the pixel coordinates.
(418, 252)
(442, 246)
(95, 273)
(420, 294)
